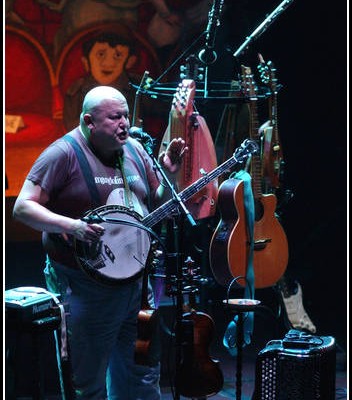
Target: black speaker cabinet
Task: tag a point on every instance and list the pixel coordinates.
(299, 367)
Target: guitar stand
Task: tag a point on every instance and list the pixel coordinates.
(239, 307)
(181, 329)
(183, 213)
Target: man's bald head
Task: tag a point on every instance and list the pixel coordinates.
(95, 98)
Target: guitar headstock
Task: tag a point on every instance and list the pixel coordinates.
(268, 74)
(245, 150)
(249, 86)
(182, 102)
(192, 70)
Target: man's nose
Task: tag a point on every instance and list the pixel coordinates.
(124, 122)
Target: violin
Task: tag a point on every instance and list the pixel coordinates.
(198, 374)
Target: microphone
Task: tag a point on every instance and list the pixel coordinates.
(143, 137)
(208, 55)
(139, 134)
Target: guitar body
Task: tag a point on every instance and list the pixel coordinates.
(229, 243)
(270, 256)
(147, 349)
(198, 374)
(229, 246)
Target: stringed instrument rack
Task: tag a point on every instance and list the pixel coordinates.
(219, 91)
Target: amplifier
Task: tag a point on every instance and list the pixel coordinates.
(300, 366)
(29, 305)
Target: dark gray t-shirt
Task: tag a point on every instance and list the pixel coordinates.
(58, 172)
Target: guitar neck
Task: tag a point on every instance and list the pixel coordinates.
(256, 163)
(167, 208)
(273, 117)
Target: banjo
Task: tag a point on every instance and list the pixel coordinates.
(119, 256)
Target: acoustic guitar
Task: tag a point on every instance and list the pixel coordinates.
(270, 241)
(230, 236)
(229, 246)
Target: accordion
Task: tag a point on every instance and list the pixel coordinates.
(300, 366)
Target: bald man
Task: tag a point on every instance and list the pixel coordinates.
(96, 164)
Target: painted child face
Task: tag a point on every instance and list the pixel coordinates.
(107, 63)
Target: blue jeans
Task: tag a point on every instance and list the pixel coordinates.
(101, 323)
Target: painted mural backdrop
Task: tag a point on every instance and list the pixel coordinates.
(56, 50)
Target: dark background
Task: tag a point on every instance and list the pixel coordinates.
(307, 44)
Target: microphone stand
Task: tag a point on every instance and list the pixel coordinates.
(263, 26)
(148, 144)
(206, 55)
(181, 330)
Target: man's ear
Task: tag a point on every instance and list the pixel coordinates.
(131, 61)
(87, 118)
(85, 63)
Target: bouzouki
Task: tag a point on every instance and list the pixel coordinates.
(121, 253)
(185, 122)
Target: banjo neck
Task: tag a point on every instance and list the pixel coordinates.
(242, 152)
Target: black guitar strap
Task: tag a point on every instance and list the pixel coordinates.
(88, 176)
(86, 170)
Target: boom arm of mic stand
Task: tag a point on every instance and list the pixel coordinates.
(263, 26)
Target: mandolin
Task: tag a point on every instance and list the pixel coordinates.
(185, 122)
(198, 375)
